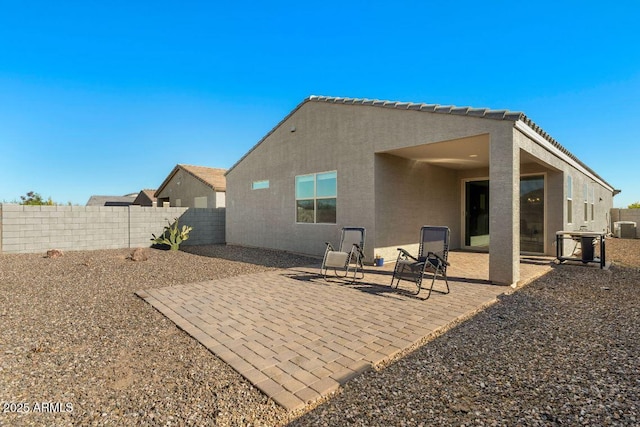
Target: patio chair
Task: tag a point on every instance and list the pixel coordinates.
(348, 256)
(432, 258)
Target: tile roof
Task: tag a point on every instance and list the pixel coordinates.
(485, 113)
(110, 200)
(212, 177)
(149, 193)
(145, 197)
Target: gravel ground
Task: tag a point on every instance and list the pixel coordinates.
(563, 350)
(74, 332)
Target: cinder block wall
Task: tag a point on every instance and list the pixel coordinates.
(626, 215)
(29, 229)
(208, 225)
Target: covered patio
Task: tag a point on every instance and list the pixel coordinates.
(495, 196)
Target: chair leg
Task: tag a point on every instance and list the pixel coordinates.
(323, 267)
(359, 265)
(356, 265)
(433, 280)
(419, 277)
(446, 280)
(342, 276)
(443, 274)
(397, 272)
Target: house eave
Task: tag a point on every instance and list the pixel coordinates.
(552, 146)
(520, 120)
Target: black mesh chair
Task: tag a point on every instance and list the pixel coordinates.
(432, 258)
(347, 257)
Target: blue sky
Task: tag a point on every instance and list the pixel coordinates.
(107, 97)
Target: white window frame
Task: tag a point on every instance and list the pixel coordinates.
(586, 203)
(593, 202)
(315, 198)
(569, 200)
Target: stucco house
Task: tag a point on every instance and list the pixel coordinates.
(193, 187)
(499, 181)
(146, 197)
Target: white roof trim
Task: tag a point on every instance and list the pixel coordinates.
(535, 136)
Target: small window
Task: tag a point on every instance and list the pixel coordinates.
(593, 202)
(569, 200)
(586, 203)
(260, 185)
(316, 198)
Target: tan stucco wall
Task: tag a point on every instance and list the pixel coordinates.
(344, 138)
(188, 189)
(556, 196)
(325, 139)
(556, 193)
(389, 195)
(410, 194)
(504, 209)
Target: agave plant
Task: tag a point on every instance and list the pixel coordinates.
(173, 235)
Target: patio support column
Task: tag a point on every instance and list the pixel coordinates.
(504, 209)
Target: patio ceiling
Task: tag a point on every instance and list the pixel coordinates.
(463, 153)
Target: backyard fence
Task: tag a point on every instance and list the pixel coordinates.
(626, 215)
(32, 229)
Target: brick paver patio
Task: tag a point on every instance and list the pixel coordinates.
(298, 337)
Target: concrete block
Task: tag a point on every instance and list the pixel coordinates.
(10, 207)
(9, 241)
(9, 221)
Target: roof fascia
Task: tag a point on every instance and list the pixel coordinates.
(268, 134)
(166, 181)
(536, 137)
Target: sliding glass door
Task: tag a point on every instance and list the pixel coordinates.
(476, 214)
(532, 214)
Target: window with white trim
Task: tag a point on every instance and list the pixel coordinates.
(586, 202)
(569, 200)
(316, 197)
(593, 203)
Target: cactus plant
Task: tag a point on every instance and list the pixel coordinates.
(173, 235)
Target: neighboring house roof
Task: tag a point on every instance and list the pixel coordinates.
(111, 200)
(145, 196)
(211, 177)
(485, 113)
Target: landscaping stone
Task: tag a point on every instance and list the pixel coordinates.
(560, 351)
(139, 254)
(54, 253)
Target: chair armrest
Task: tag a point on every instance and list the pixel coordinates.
(407, 254)
(442, 260)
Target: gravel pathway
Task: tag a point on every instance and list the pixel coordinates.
(563, 350)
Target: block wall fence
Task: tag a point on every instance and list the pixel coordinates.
(32, 229)
(626, 215)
